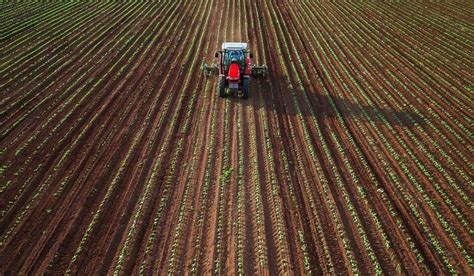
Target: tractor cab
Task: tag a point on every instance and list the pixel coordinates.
(234, 56)
(233, 53)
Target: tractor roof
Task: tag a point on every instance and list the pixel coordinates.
(234, 46)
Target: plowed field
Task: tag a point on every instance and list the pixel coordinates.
(355, 155)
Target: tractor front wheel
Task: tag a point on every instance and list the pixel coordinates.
(245, 88)
(221, 87)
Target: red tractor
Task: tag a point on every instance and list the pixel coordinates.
(235, 69)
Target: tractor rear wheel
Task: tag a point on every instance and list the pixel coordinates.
(221, 87)
(245, 88)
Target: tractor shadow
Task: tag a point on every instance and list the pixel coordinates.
(314, 104)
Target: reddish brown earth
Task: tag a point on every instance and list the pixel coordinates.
(353, 156)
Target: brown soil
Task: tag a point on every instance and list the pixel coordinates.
(117, 155)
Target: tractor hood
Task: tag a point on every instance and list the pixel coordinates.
(234, 72)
